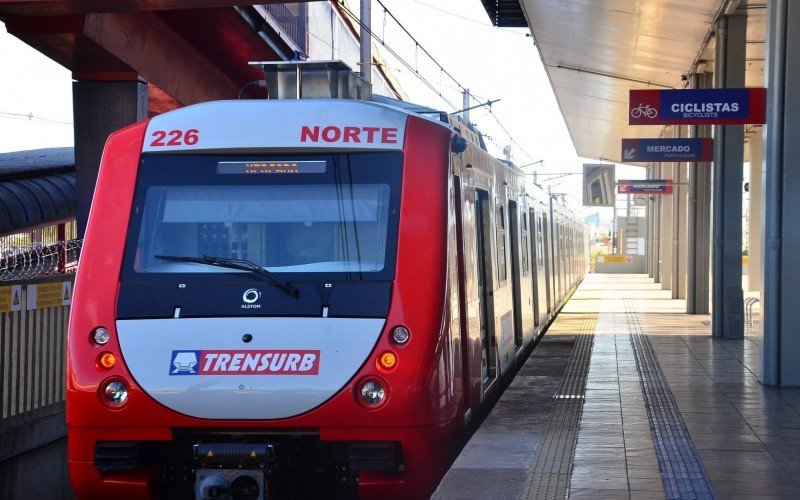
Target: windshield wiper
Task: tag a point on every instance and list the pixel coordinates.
(240, 264)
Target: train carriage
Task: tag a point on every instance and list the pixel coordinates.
(301, 298)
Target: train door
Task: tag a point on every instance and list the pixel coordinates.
(564, 259)
(528, 286)
(547, 255)
(562, 262)
(516, 279)
(556, 244)
(466, 358)
(538, 271)
(486, 307)
(570, 256)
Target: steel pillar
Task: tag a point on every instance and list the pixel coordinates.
(699, 221)
(755, 223)
(727, 313)
(675, 284)
(665, 266)
(682, 202)
(100, 108)
(648, 269)
(655, 223)
(366, 40)
(781, 315)
(679, 225)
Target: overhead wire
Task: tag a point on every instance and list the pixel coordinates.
(397, 56)
(415, 68)
(32, 117)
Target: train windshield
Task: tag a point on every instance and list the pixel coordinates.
(300, 215)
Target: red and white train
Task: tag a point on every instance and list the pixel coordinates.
(302, 298)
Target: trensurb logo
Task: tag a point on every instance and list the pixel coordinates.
(250, 362)
(184, 363)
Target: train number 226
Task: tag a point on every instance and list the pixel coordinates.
(175, 137)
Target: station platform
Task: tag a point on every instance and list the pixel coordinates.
(628, 397)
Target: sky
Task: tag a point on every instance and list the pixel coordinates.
(32, 85)
(494, 63)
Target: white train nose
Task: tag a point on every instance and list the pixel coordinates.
(201, 367)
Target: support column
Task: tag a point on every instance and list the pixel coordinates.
(665, 267)
(648, 234)
(781, 315)
(655, 222)
(682, 233)
(727, 313)
(677, 224)
(755, 224)
(699, 221)
(366, 40)
(100, 108)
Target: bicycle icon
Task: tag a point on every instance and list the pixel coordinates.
(644, 110)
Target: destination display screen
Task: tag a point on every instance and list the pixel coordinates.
(272, 167)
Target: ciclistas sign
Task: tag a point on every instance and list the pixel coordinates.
(650, 186)
(657, 150)
(697, 107)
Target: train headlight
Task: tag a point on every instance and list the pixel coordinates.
(115, 393)
(400, 335)
(101, 335)
(372, 393)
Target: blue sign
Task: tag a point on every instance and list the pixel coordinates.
(647, 186)
(658, 150)
(705, 103)
(697, 107)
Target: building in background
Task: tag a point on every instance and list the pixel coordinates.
(325, 31)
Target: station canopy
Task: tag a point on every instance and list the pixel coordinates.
(595, 51)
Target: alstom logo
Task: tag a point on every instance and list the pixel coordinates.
(357, 135)
(251, 362)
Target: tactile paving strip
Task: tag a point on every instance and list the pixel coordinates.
(552, 465)
(682, 470)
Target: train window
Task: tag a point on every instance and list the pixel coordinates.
(501, 245)
(526, 268)
(309, 228)
(334, 221)
(539, 243)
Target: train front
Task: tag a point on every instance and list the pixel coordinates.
(259, 307)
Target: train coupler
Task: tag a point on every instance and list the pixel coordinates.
(232, 471)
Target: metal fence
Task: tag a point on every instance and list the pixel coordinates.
(291, 19)
(39, 253)
(32, 359)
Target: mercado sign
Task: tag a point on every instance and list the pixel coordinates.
(697, 107)
(649, 186)
(657, 150)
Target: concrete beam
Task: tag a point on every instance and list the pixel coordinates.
(124, 46)
(147, 44)
(61, 7)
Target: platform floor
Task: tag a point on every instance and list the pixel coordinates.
(629, 397)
